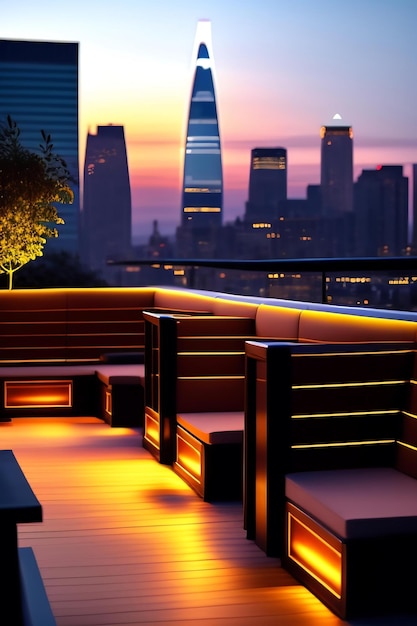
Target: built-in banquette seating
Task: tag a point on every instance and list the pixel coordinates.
(73, 352)
(331, 467)
(195, 374)
(44, 332)
(78, 351)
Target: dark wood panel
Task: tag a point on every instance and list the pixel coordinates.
(350, 367)
(346, 399)
(349, 428)
(211, 364)
(210, 394)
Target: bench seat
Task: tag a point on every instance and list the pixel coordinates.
(359, 502)
(214, 428)
(209, 454)
(352, 538)
(122, 393)
(112, 391)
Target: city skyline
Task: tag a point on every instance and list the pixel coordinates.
(282, 71)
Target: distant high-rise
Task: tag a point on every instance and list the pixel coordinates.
(414, 208)
(202, 190)
(336, 180)
(267, 183)
(381, 212)
(39, 90)
(106, 211)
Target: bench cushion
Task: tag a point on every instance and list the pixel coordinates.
(326, 327)
(123, 358)
(356, 503)
(214, 428)
(128, 374)
(59, 370)
(277, 322)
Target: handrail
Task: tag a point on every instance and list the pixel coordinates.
(309, 265)
(323, 266)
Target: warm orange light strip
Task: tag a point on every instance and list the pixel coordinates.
(363, 353)
(315, 555)
(210, 377)
(412, 415)
(375, 383)
(108, 408)
(189, 457)
(350, 414)
(37, 394)
(407, 445)
(214, 353)
(342, 444)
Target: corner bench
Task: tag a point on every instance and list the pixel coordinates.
(331, 469)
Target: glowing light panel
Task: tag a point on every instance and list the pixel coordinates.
(28, 394)
(315, 555)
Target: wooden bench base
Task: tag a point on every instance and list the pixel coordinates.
(209, 459)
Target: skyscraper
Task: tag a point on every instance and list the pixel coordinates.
(336, 180)
(381, 210)
(267, 183)
(106, 211)
(39, 90)
(414, 206)
(202, 190)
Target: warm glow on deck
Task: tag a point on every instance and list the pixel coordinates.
(125, 536)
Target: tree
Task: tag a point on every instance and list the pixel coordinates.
(30, 185)
(57, 269)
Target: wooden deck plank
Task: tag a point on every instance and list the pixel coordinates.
(125, 542)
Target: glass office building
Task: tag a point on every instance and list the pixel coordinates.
(39, 90)
(202, 192)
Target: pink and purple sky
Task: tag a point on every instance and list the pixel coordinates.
(283, 69)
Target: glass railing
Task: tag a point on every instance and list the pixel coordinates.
(380, 282)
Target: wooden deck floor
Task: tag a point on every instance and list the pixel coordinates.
(125, 542)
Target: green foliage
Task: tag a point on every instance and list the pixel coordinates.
(30, 185)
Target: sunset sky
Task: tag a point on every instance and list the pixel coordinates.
(283, 69)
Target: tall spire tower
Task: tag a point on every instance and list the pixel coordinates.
(202, 191)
